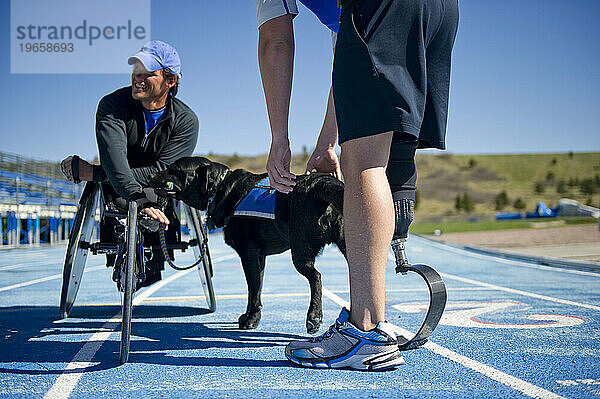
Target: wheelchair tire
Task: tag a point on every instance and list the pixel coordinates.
(198, 232)
(129, 286)
(207, 266)
(77, 250)
(204, 231)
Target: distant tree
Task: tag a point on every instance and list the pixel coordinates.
(519, 204)
(233, 160)
(472, 163)
(553, 162)
(573, 181)
(587, 186)
(304, 154)
(539, 188)
(445, 156)
(571, 154)
(417, 199)
(468, 203)
(501, 200)
(550, 176)
(561, 188)
(458, 203)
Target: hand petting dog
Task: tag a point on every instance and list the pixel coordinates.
(278, 167)
(324, 160)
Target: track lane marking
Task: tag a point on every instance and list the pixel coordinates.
(511, 290)
(506, 379)
(519, 292)
(49, 278)
(466, 252)
(24, 264)
(228, 296)
(43, 263)
(66, 382)
(293, 294)
(167, 299)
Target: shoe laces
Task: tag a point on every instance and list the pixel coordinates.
(327, 334)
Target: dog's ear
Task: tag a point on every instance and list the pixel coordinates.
(201, 174)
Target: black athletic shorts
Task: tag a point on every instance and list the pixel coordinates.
(391, 69)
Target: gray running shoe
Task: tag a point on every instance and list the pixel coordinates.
(345, 346)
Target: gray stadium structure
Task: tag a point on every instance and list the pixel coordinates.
(37, 204)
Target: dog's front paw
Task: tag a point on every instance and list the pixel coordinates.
(249, 320)
(313, 322)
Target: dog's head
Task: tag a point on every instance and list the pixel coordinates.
(191, 179)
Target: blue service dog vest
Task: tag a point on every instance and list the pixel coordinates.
(260, 201)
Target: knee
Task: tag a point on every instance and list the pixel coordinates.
(366, 153)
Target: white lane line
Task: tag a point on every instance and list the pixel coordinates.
(228, 296)
(43, 263)
(24, 264)
(515, 383)
(185, 298)
(41, 280)
(511, 290)
(519, 292)
(189, 298)
(466, 252)
(65, 383)
(426, 290)
(506, 379)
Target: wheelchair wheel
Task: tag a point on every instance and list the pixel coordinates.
(129, 285)
(77, 248)
(204, 231)
(207, 267)
(198, 232)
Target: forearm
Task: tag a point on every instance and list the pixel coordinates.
(116, 167)
(328, 137)
(112, 149)
(141, 175)
(276, 58)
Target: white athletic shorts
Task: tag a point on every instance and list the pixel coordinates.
(269, 9)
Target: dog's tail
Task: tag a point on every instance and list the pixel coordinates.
(329, 189)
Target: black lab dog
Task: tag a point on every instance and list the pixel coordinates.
(305, 220)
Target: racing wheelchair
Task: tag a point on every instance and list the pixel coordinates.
(130, 252)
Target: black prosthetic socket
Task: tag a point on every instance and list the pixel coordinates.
(402, 177)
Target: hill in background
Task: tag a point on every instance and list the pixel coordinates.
(443, 178)
(451, 187)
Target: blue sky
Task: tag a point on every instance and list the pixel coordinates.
(524, 80)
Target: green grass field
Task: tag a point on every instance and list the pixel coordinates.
(489, 225)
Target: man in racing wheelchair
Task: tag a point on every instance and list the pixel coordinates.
(140, 130)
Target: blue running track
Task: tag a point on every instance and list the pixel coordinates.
(511, 329)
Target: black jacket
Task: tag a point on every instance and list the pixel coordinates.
(126, 158)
